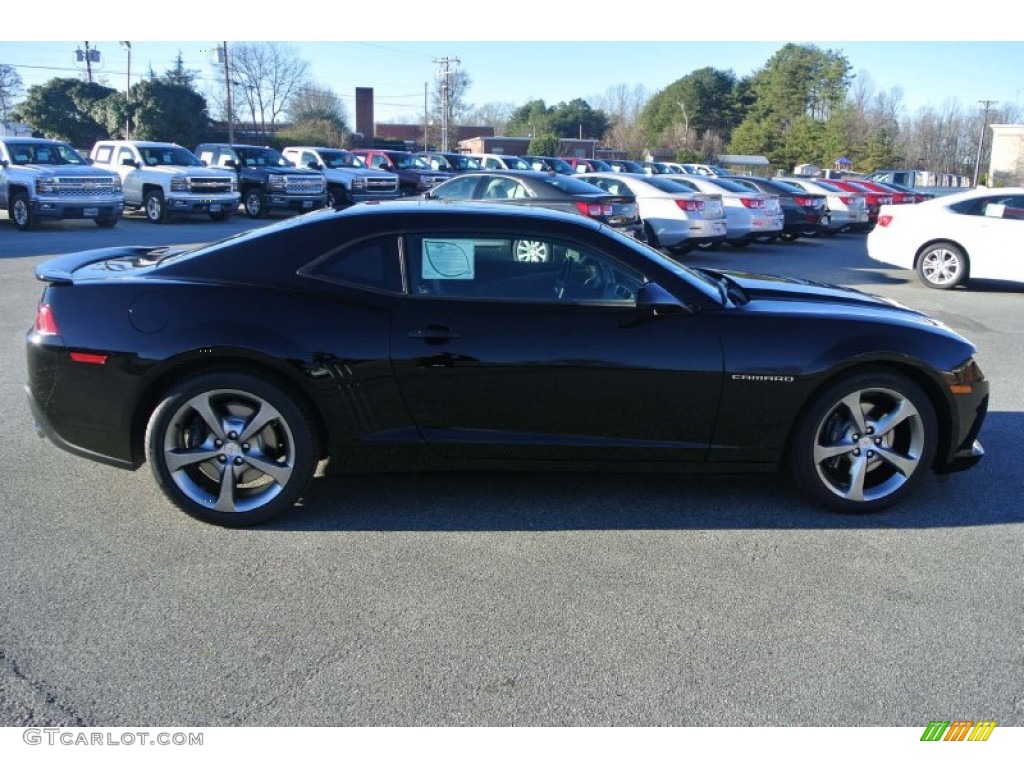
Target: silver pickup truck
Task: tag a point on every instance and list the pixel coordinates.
(47, 179)
(166, 179)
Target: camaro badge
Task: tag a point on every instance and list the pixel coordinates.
(763, 377)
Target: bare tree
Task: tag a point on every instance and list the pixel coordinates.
(266, 76)
(493, 113)
(623, 105)
(10, 89)
(316, 102)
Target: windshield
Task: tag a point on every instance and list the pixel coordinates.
(572, 186)
(667, 185)
(516, 163)
(168, 156)
(791, 188)
(23, 153)
(261, 157)
(728, 184)
(466, 163)
(438, 162)
(339, 158)
(405, 160)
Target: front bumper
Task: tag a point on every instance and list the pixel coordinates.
(78, 208)
(296, 202)
(365, 197)
(211, 204)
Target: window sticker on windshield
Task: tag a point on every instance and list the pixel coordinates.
(448, 259)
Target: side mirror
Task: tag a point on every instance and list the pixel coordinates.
(89, 161)
(229, 163)
(130, 162)
(314, 165)
(655, 300)
(4, 163)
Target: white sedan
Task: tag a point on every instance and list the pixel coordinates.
(675, 217)
(978, 233)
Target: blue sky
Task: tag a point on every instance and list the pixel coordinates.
(555, 69)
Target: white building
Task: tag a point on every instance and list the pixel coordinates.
(1006, 163)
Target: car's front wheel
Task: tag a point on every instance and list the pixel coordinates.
(864, 442)
(21, 212)
(942, 266)
(156, 207)
(231, 448)
(532, 251)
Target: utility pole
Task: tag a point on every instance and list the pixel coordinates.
(88, 56)
(128, 92)
(88, 61)
(981, 139)
(426, 117)
(227, 90)
(445, 75)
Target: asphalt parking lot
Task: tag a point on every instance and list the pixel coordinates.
(513, 599)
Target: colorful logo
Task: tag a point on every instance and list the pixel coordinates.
(958, 730)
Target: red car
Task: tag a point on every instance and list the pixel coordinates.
(873, 187)
(874, 200)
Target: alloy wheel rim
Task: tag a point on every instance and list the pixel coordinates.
(252, 203)
(869, 444)
(941, 266)
(20, 212)
(532, 251)
(229, 451)
(153, 208)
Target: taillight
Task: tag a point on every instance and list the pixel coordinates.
(690, 205)
(593, 209)
(752, 202)
(884, 221)
(46, 323)
(804, 201)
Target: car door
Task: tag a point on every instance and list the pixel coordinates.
(992, 233)
(126, 161)
(542, 354)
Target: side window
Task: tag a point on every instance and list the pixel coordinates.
(125, 153)
(511, 268)
(372, 264)
(103, 155)
(459, 189)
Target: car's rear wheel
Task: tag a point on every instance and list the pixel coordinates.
(865, 442)
(710, 246)
(788, 237)
(943, 266)
(106, 221)
(231, 448)
(652, 237)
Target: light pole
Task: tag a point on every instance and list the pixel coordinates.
(981, 139)
(128, 92)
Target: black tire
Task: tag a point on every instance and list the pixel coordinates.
(710, 246)
(739, 243)
(788, 237)
(255, 203)
(867, 461)
(21, 213)
(155, 207)
(221, 215)
(106, 222)
(197, 436)
(337, 197)
(652, 238)
(943, 266)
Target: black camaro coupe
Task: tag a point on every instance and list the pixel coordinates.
(417, 335)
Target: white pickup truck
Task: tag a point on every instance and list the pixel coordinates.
(46, 179)
(349, 181)
(165, 179)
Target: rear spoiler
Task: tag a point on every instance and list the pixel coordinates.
(61, 268)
